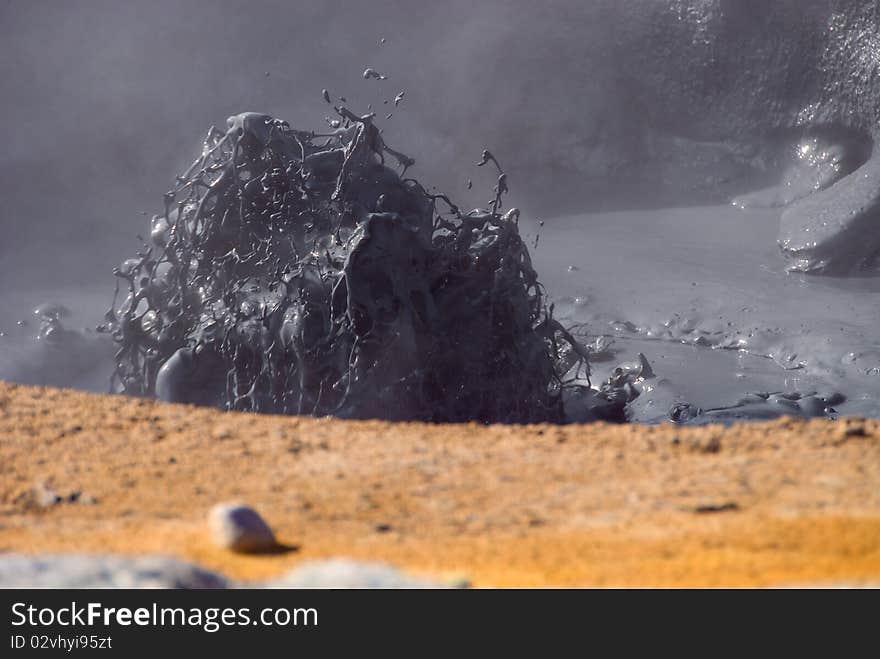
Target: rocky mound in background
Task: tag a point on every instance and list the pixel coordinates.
(704, 101)
(795, 77)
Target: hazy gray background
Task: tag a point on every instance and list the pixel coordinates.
(588, 103)
(104, 101)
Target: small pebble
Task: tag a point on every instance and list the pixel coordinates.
(239, 528)
(45, 496)
(372, 73)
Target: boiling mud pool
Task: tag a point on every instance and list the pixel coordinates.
(79, 357)
(703, 293)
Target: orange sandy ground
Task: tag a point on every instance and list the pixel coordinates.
(787, 502)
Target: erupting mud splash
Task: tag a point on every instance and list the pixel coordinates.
(295, 272)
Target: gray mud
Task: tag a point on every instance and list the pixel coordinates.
(613, 118)
(705, 295)
(702, 292)
(77, 357)
(301, 272)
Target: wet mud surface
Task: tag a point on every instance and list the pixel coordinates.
(704, 293)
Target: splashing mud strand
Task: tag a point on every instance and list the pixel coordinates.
(295, 272)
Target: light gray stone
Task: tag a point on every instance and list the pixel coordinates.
(239, 528)
(83, 571)
(346, 573)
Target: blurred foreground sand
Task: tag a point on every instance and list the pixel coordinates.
(782, 503)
